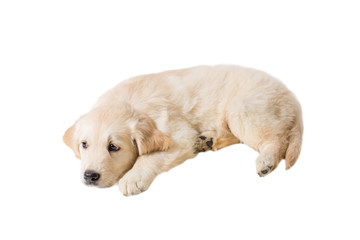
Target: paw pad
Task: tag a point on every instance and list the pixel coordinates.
(266, 170)
(203, 144)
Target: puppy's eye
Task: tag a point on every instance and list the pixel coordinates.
(84, 145)
(113, 148)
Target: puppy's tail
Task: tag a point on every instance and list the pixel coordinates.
(295, 141)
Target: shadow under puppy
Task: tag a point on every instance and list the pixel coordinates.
(149, 124)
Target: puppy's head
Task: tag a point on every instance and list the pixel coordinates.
(108, 141)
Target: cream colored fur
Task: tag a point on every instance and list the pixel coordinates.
(156, 119)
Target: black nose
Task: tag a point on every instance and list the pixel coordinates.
(91, 177)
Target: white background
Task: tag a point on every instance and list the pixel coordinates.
(57, 57)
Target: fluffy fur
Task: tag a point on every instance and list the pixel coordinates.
(157, 120)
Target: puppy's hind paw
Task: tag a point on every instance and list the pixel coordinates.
(266, 170)
(203, 144)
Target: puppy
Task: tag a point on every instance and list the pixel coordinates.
(149, 124)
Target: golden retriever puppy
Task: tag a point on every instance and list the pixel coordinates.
(149, 124)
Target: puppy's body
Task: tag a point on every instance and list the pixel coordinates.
(227, 104)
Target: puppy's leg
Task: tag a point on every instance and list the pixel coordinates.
(209, 141)
(268, 159)
(225, 141)
(262, 139)
(147, 167)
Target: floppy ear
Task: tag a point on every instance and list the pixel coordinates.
(69, 140)
(148, 138)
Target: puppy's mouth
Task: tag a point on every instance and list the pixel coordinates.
(98, 184)
(95, 184)
(101, 180)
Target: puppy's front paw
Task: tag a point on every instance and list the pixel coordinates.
(132, 184)
(204, 143)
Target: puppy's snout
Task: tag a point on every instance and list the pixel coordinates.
(91, 177)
